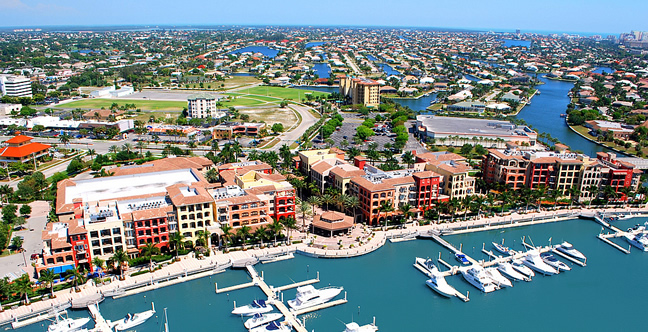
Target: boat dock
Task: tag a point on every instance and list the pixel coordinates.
(290, 316)
(101, 325)
(451, 272)
(450, 247)
(606, 238)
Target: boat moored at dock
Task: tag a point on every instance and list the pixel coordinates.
(272, 326)
(554, 262)
(638, 240)
(519, 266)
(461, 258)
(477, 276)
(502, 248)
(497, 277)
(355, 327)
(308, 296)
(131, 321)
(256, 307)
(568, 249)
(507, 270)
(61, 324)
(260, 319)
(534, 261)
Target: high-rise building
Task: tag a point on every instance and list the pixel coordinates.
(360, 91)
(15, 86)
(202, 105)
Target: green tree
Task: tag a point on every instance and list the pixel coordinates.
(9, 214)
(78, 275)
(227, 235)
(176, 241)
(17, 243)
(25, 209)
(47, 278)
(149, 250)
(23, 286)
(243, 233)
(119, 258)
(408, 159)
(278, 127)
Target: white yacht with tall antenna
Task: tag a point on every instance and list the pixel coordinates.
(477, 276)
(509, 271)
(67, 324)
(568, 249)
(501, 280)
(534, 261)
(308, 296)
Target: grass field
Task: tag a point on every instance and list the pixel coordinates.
(149, 105)
(238, 81)
(279, 92)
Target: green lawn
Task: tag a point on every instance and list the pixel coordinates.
(249, 101)
(149, 105)
(279, 92)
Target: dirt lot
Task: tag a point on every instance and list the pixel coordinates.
(272, 115)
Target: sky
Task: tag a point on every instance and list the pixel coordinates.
(588, 16)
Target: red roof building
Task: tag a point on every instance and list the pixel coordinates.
(21, 149)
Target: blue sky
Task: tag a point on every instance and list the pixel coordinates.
(552, 15)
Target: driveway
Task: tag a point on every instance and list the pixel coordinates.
(295, 134)
(15, 264)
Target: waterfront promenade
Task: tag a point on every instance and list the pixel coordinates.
(190, 267)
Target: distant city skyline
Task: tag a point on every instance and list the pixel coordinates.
(498, 15)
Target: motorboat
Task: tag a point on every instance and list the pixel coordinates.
(624, 216)
(502, 248)
(438, 283)
(461, 258)
(272, 326)
(568, 249)
(131, 321)
(426, 264)
(501, 280)
(507, 270)
(534, 261)
(256, 307)
(477, 276)
(68, 324)
(638, 240)
(554, 262)
(355, 327)
(518, 265)
(261, 319)
(308, 296)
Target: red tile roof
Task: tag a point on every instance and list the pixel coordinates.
(24, 150)
(19, 139)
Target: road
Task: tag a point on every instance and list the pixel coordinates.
(33, 244)
(352, 64)
(290, 137)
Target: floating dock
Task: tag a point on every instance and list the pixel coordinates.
(450, 247)
(101, 325)
(605, 238)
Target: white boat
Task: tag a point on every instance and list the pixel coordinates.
(509, 271)
(131, 321)
(534, 261)
(639, 240)
(256, 307)
(426, 264)
(68, 324)
(273, 326)
(624, 216)
(501, 248)
(308, 296)
(461, 258)
(438, 283)
(569, 249)
(499, 279)
(519, 266)
(355, 327)
(260, 319)
(477, 277)
(554, 262)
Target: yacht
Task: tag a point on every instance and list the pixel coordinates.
(354, 327)
(534, 261)
(501, 248)
(477, 277)
(499, 279)
(438, 283)
(554, 262)
(256, 307)
(507, 270)
(624, 216)
(639, 240)
(273, 326)
(462, 259)
(519, 266)
(568, 249)
(261, 319)
(68, 324)
(308, 296)
(131, 321)
(426, 264)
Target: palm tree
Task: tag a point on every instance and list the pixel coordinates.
(555, 194)
(64, 139)
(148, 251)
(352, 202)
(119, 258)
(78, 277)
(538, 194)
(113, 149)
(5, 191)
(490, 198)
(314, 201)
(627, 192)
(243, 233)
(176, 240)
(98, 262)
(328, 199)
(289, 224)
(127, 147)
(141, 145)
(478, 202)
(452, 207)
(385, 207)
(276, 228)
(573, 192)
(408, 158)
(227, 235)
(47, 278)
(609, 193)
(465, 204)
(405, 210)
(593, 191)
(23, 286)
(261, 233)
(304, 208)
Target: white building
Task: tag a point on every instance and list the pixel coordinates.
(202, 105)
(6, 109)
(111, 92)
(15, 86)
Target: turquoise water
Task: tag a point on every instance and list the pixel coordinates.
(601, 70)
(384, 284)
(516, 43)
(417, 104)
(322, 69)
(387, 69)
(266, 51)
(314, 44)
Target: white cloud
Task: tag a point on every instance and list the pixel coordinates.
(12, 4)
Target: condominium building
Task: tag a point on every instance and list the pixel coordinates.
(457, 181)
(65, 246)
(307, 158)
(360, 91)
(202, 105)
(15, 86)
(193, 207)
